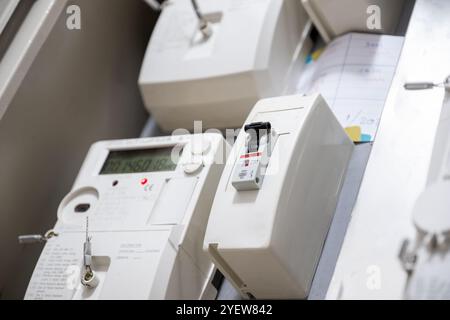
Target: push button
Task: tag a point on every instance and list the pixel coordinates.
(200, 146)
(193, 166)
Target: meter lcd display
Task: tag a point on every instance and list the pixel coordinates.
(137, 161)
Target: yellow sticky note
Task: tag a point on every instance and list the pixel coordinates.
(316, 54)
(354, 133)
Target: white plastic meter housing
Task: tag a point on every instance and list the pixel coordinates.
(257, 49)
(267, 238)
(147, 217)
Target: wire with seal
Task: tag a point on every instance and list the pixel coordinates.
(204, 25)
(427, 85)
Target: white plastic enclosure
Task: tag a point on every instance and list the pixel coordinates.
(267, 237)
(256, 50)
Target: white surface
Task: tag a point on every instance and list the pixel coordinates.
(430, 277)
(168, 211)
(431, 211)
(151, 233)
(256, 48)
(267, 242)
(368, 266)
(440, 159)
(6, 10)
(354, 74)
(334, 18)
(25, 47)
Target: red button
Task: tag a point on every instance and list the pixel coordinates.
(144, 181)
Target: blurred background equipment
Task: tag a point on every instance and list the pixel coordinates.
(426, 257)
(254, 49)
(335, 18)
(404, 193)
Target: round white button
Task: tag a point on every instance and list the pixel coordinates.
(200, 146)
(192, 167)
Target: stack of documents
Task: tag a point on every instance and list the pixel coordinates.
(354, 74)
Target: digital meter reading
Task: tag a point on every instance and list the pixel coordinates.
(136, 161)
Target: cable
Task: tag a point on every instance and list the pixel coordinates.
(197, 10)
(204, 26)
